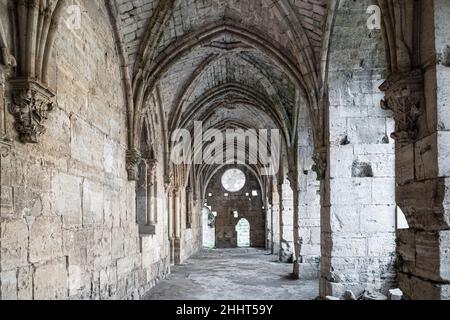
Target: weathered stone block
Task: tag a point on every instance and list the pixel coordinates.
(422, 204)
(92, 203)
(27, 202)
(348, 246)
(8, 285)
(418, 289)
(433, 255)
(381, 245)
(126, 265)
(87, 143)
(25, 283)
(75, 280)
(406, 248)
(404, 158)
(118, 237)
(67, 199)
(50, 281)
(342, 166)
(345, 219)
(351, 191)
(426, 158)
(378, 218)
(45, 239)
(383, 192)
(14, 244)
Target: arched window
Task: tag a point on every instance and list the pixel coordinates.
(243, 233)
(146, 187)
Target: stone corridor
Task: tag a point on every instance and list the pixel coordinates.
(233, 274)
(135, 134)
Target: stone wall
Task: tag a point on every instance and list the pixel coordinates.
(191, 236)
(249, 207)
(358, 196)
(68, 225)
(309, 203)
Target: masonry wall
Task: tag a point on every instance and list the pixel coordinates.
(68, 225)
(191, 237)
(248, 206)
(358, 196)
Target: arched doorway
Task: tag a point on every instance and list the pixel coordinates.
(243, 233)
(209, 229)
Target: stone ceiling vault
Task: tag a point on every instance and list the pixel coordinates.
(204, 56)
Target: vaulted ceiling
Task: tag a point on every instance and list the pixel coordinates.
(227, 63)
(214, 57)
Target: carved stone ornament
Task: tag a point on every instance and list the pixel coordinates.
(404, 96)
(31, 104)
(133, 160)
(320, 164)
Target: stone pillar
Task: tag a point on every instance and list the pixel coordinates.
(151, 196)
(420, 99)
(177, 226)
(293, 182)
(309, 217)
(358, 203)
(171, 209)
(275, 209)
(189, 207)
(286, 221)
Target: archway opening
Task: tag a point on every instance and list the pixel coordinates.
(243, 233)
(235, 199)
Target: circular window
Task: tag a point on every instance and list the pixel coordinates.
(233, 180)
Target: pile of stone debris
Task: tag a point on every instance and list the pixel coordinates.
(394, 295)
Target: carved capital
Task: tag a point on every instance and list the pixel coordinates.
(404, 95)
(133, 160)
(31, 104)
(320, 164)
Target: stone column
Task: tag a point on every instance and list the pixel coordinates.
(189, 207)
(171, 209)
(419, 99)
(177, 226)
(151, 197)
(293, 180)
(275, 218)
(286, 221)
(358, 203)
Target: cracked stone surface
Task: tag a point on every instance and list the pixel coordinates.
(233, 274)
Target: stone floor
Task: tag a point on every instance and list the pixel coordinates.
(233, 274)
